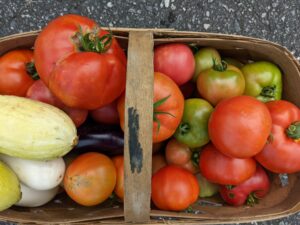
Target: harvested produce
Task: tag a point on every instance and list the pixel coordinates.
(263, 81)
(158, 162)
(107, 114)
(35, 198)
(240, 126)
(174, 188)
(16, 75)
(119, 164)
(37, 174)
(204, 59)
(208, 189)
(35, 130)
(90, 179)
(9, 187)
(81, 60)
(250, 191)
(176, 61)
(103, 138)
(193, 128)
(221, 169)
(167, 107)
(40, 92)
(220, 82)
(281, 154)
(181, 155)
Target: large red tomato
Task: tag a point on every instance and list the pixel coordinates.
(240, 126)
(167, 108)
(14, 77)
(174, 188)
(81, 64)
(221, 169)
(176, 60)
(40, 92)
(282, 152)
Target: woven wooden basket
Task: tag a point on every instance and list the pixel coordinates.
(139, 43)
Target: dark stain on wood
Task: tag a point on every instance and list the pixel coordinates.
(135, 149)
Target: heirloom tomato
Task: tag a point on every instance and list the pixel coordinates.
(82, 64)
(281, 154)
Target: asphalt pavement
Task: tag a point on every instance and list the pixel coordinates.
(277, 21)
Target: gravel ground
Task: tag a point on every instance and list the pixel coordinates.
(277, 21)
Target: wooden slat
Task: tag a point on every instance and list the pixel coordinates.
(138, 126)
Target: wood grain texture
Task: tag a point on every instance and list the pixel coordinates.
(138, 127)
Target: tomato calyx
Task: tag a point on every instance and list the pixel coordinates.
(267, 93)
(195, 157)
(155, 112)
(293, 131)
(252, 199)
(184, 128)
(221, 67)
(91, 42)
(31, 71)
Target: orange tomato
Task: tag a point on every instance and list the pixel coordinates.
(90, 179)
(119, 164)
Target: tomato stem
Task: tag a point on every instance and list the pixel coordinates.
(184, 128)
(267, 93)
(156, 113)
(293, 131)
(31, 71)
(195, 157)
(252, 199)
(219, 66)
(91, 42)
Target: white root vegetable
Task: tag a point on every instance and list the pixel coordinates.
(36, 174)
(34, 198)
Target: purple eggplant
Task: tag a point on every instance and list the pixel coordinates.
(106, 139)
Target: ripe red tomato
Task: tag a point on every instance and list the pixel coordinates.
(250, 191)
(72, 64)
(174, 188)
(90, 179)
(168, 108)
(39, 91)
(107, 114)
(221, 169)
(119, 164)
(176, 60)
(14, 77)
(282, 152)
(240, 126)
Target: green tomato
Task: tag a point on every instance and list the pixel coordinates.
(207, 189)
(193, 129)
(204, 59)
(263, 81)
(220, 82)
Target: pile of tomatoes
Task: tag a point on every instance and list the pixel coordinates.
(218, 123)
(223, 124)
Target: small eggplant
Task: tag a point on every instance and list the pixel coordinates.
(107, 139)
